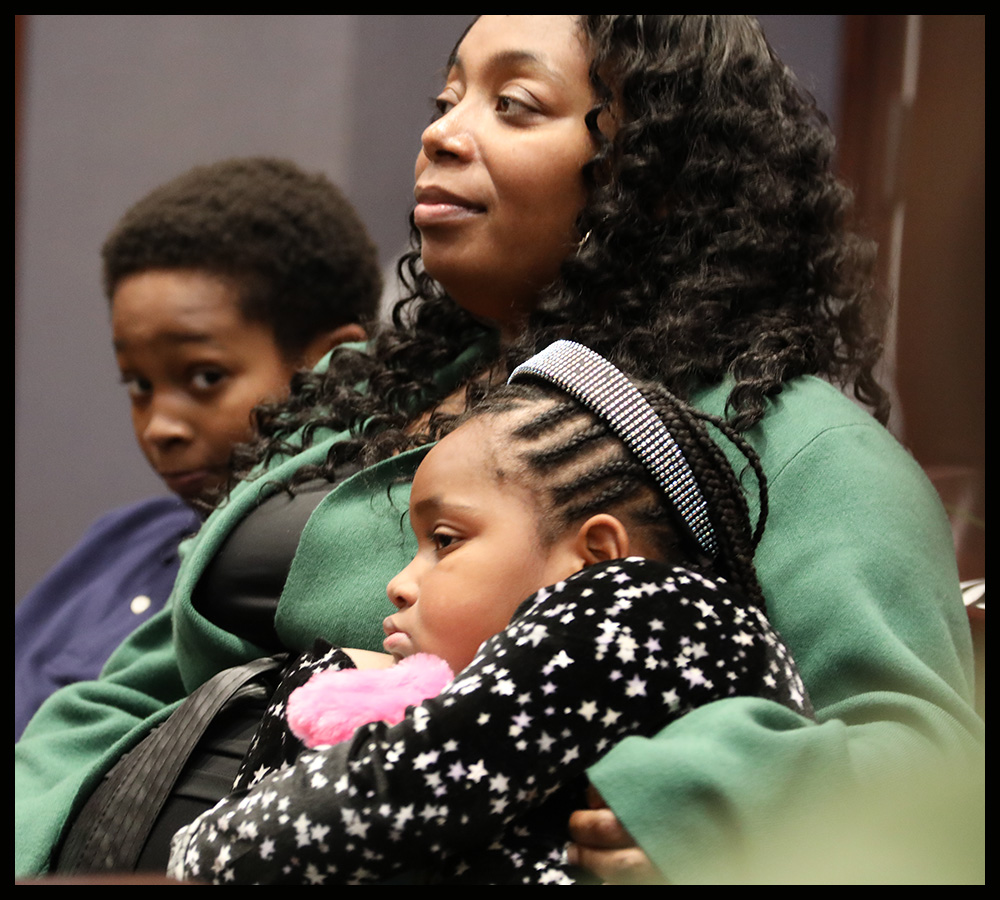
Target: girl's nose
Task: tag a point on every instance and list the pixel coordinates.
(402, 589)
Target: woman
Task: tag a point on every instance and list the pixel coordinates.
(658, 189)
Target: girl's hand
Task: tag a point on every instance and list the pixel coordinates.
(369, 659)
(603, 846)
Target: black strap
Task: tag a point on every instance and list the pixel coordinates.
(114, 824)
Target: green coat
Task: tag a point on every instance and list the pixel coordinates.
(856, 564)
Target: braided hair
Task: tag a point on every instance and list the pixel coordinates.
(578, 467)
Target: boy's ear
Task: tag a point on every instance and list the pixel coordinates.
(600, 538)
(323, 343)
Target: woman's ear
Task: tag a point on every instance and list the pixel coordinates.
(600, 538)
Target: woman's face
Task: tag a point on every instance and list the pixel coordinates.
(498, 178)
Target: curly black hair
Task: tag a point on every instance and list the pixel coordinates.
(716, 230)
(296, 250)
(714, 245)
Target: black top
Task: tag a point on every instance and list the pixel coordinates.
(240, 588)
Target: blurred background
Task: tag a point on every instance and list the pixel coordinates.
(109, 107)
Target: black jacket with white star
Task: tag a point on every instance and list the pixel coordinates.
(476, 785)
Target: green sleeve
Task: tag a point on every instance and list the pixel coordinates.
(80, 730)
(859, 574)
(352, 545)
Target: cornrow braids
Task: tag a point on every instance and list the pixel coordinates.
(578, 467)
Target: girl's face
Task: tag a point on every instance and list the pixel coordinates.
(498, 178)
(479, 550)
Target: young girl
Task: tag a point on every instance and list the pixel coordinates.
(620, 502)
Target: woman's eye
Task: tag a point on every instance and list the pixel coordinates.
(512, 106)
(442, 106)
(206, 379)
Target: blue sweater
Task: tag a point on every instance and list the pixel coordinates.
(115, 579)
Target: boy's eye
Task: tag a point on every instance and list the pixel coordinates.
(138, 388)
(206, 379)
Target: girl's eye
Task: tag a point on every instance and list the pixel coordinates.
(206, 379)
(443, 541)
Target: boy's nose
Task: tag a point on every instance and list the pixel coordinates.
(165, 427)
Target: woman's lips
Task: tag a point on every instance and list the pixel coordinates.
(436, 206)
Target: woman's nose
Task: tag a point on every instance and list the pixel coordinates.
(450, 136)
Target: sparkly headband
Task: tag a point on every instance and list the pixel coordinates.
(598, 385)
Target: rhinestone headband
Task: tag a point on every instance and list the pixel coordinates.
(597, 384)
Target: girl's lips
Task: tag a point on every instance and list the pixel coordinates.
(397, 643)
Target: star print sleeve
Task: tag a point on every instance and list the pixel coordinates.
(619, 649)
(274, 746)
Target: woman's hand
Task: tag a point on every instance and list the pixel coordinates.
(603, 846)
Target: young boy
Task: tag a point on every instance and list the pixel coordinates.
(222, 284)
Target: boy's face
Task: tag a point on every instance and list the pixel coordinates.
(479, 551)
(194, 368)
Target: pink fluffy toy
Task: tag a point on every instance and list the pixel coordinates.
(332, 705)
